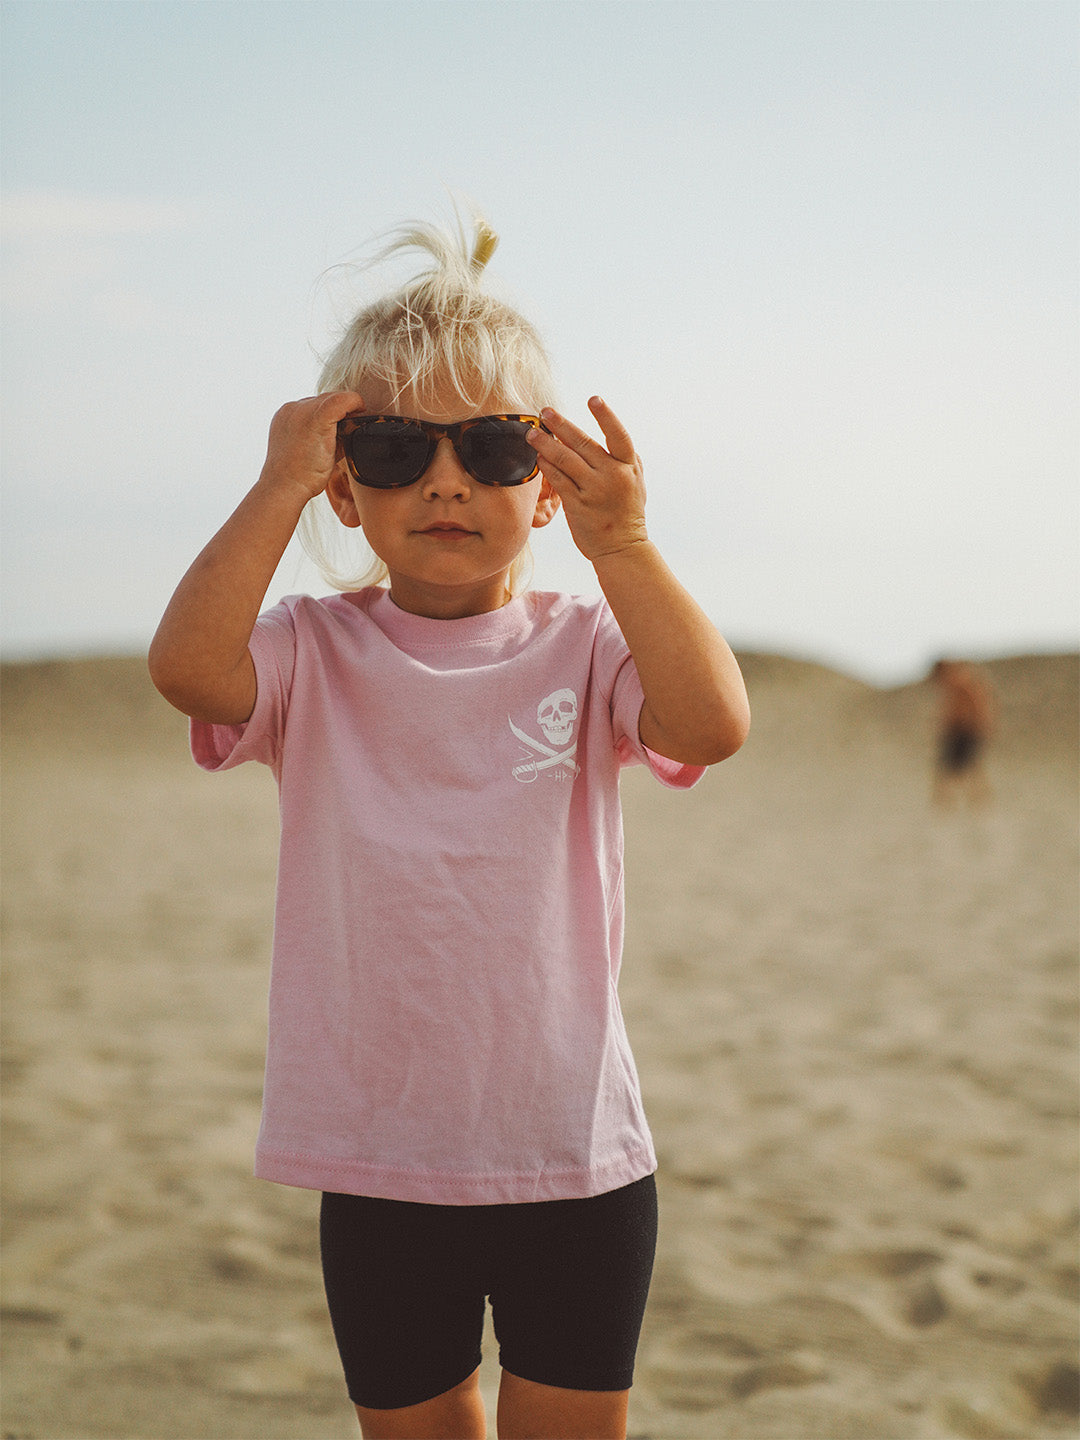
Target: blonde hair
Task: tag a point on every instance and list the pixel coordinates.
(439, 335)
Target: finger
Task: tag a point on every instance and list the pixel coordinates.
(575, 440)
(563, 484)
(553, 457)
(334, 405)
(620, 446)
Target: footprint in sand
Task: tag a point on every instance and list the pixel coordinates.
(1054, 1389)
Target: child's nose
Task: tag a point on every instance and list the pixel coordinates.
(446, 478)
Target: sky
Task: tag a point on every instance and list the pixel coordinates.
(820, 257)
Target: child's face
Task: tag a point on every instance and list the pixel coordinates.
(447, 541)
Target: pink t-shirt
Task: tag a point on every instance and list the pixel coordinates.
(444, 1024)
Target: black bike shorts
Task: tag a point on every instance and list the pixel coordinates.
(406, 1285)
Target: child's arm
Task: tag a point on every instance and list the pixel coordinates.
(695, 709)
(199, 658)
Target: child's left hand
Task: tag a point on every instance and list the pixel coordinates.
(602, 491)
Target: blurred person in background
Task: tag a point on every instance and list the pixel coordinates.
(965, 723)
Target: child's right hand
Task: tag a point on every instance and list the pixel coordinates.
(200, 658)
(303, 449)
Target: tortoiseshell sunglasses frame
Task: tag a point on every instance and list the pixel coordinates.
(434, 434)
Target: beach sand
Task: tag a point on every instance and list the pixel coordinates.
(855, 1019)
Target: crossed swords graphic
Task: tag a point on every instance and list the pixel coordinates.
(531, 768)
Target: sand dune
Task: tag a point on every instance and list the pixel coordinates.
(855, 1019)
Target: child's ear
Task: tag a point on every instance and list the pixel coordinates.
(547, 506)
(339, 493)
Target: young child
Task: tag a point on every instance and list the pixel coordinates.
(447, 1060)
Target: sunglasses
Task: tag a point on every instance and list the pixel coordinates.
(388, 452)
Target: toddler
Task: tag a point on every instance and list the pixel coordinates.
(447, 1061)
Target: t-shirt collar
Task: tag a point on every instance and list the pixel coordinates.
(419, 632)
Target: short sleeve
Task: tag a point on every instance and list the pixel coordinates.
(273, 651)
(626, 699)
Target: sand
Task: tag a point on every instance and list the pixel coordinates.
(855, 1018)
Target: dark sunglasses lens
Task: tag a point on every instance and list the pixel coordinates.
(497, 453)
(388, 454)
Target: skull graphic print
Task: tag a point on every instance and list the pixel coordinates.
(554, 756)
